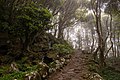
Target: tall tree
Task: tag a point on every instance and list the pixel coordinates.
(96, 7)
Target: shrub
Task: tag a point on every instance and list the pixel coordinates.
(62, 49)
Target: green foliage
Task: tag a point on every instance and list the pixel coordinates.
(110, 73)
(23, 18)
(24, 21)
(62, 48)
(32, 68)
(6, 75)
(16, 75)
(32, 18)
(3, 70)
(4, 16)
(19, 75)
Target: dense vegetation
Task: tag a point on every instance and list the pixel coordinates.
(37, 37)
(26, 47)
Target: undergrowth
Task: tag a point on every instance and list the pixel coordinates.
(110, 73)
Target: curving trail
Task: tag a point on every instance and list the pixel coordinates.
(76, 69)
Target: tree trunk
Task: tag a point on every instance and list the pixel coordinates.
(60, 33)
(26, 41)
(60, 29)
(101, 42)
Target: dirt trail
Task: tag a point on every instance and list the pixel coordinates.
(75, 70)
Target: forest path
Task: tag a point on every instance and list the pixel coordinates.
(76, 69)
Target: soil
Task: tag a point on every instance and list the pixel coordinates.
(76, 69)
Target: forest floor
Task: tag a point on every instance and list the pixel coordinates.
(76, 69)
